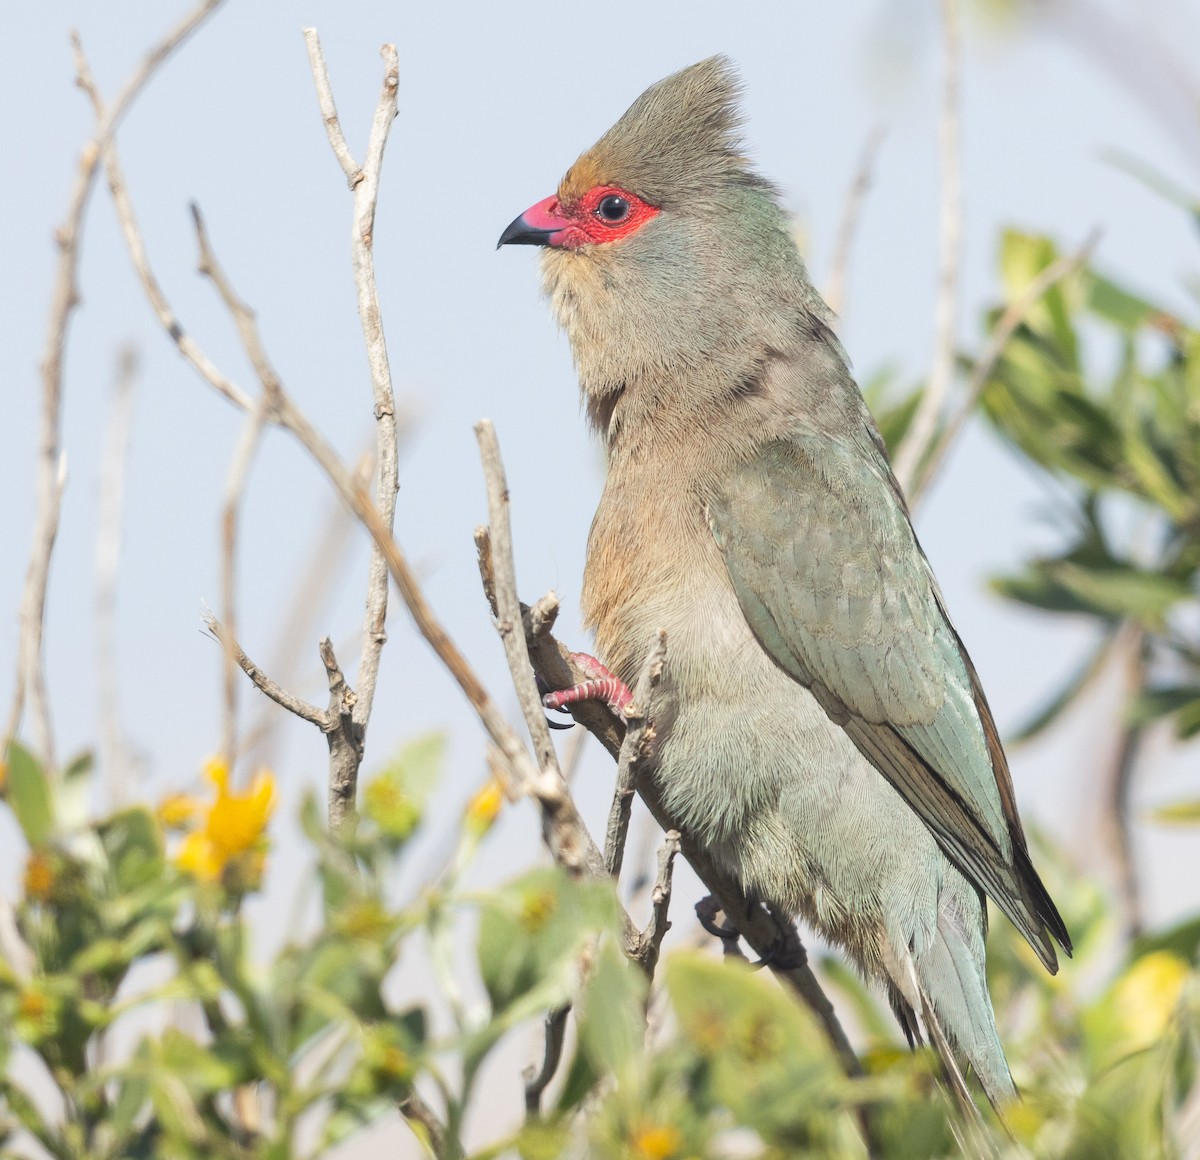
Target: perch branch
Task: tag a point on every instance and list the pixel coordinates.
(941, 373)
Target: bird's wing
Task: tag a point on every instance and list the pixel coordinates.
(834, 585)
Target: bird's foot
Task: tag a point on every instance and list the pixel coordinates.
(602, 684)
(784, 954)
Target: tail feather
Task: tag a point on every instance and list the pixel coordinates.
(944, 981)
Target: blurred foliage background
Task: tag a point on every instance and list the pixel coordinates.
(140, 1025)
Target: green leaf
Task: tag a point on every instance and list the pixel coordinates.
(532, 932)
(30, 795)
(765, 1057)
(395, 798)
(612, 1013)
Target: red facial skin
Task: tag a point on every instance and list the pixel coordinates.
(581, 223)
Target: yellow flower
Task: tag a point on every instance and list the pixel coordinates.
(657, 1143)
(1147, 994)
(484, 807)
(39, 876)
(233, 830)
(3, 776)
(178, 811)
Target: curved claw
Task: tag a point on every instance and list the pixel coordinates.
(561, 724)
(723, 931)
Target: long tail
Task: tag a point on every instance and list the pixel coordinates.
(944, 982)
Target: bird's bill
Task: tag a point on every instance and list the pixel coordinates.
(540, 225)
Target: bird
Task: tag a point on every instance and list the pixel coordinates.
(819, 726)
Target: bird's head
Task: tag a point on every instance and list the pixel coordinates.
(662, 246)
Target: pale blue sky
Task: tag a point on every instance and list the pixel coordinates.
(496, 100)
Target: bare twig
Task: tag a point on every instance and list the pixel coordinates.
(329, 113)
(51, 472)
(839, 267)
(537, 1079)
(365, 184)
(1006, 325)
(509, 622)
(108, 554)
(650, 944)
(262, 682)
(639, 733)
(941, 373)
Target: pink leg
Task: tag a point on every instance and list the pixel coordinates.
(602, 685)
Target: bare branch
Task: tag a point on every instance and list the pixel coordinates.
(639, 733)
(941, 372)
(108, 554)
(333, 127)
(510, 624)
(1006, 326)
(537, 1079)
(650, 944)
(839, 267)
(387, 478)
(345, 745)
(262, 682)
(134, 243)
(30, 678)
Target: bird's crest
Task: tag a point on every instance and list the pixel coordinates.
(678, 140)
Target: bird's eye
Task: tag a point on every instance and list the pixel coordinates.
(612, 209)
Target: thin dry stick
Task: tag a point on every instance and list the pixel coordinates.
(660, 903)
(639, 732)
(364, 182)
(329, 113)
(839, 267)
(537, 1079)
(1006, 326)
(108, 555)
(941, 373)
(262, 682)
(51, 469)
(509, 622)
